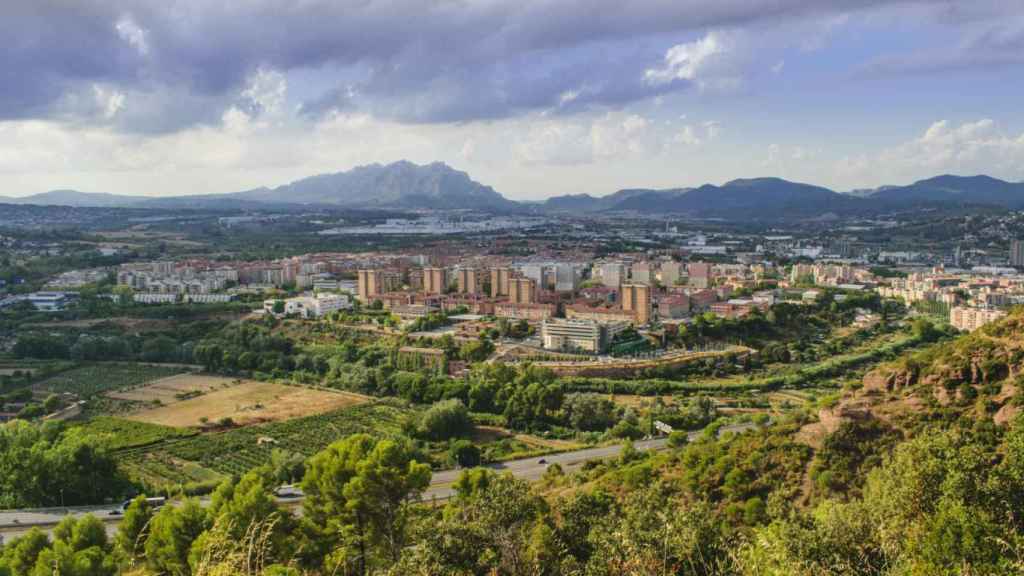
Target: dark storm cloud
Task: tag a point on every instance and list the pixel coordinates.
(422, 61)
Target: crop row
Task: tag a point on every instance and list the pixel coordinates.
(99, 378)
(239, 450)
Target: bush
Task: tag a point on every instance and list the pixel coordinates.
(626, 429)
(445, 419)
(464, 454)
(678, 439)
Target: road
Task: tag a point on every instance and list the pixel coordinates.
(16, 522)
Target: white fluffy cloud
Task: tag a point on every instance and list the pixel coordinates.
(132, 33)
(704, 61)
(978, 147)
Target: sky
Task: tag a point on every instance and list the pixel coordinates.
(536, 98)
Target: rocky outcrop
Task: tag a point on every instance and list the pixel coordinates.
(880, 381)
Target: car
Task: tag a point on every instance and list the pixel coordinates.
(542, 461)
(288, 492)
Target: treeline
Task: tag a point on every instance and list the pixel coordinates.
(50, 465)
(111, 343)
(783, 322)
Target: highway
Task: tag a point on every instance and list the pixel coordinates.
(16, 522)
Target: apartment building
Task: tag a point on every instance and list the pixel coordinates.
(636, 298)
(522, 291)
(1017, 253)
(373, 283)
(613, 274)
(468, 280)
(528, 312)
(641, 273)
(435, 280)
(970, 319)
(700, 274)
(674, 306)
(566, 277)
(670, 272)
(500, 278)
(602, 314)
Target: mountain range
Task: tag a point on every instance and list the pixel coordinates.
(404, 185)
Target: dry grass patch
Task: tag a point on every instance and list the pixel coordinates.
(192, 400)
(640, 401)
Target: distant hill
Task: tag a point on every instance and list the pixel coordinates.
(404, 186)
(949, 189)
(398, 185)
(756, 198)
(77, 199)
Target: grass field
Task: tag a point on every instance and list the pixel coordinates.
(189, 399)
(95, 379)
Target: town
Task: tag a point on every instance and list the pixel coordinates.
(506, 288)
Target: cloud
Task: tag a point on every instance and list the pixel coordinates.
(976, 147)
(110, 102)
(687, 136)
(983, 44)
(700, 61)
(432, 61)
(265, 92)
(131, 33)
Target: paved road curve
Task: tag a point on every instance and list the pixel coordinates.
(16, 522)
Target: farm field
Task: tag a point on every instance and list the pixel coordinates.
(119, 433)
(209, 456)
(189, 400)
(95, 379)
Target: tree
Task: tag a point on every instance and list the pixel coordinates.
(678, 439)
(43, 465)
(590, 412)
(238, 507)
(130, 541)
(288, 467)
(494, 525)
(80, 548)
(477, 350)
(20, 554)
(445, 419)
(51, 404)
(924, 330)
(464, 454)
(172, 532)
(358, 492)
(656, 533)
(160, 349)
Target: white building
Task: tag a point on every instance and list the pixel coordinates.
(583, 335)
(310, 306)
(155, 298)
(51, 301)
(209, 298)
